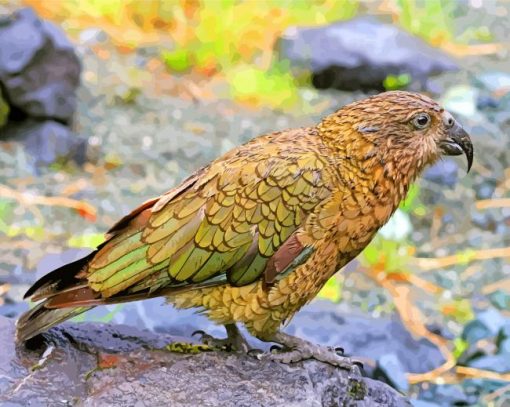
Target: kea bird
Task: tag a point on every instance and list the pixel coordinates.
(253, 236)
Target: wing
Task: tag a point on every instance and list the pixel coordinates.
(236, 221)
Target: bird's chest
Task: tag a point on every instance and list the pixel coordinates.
(351, 220)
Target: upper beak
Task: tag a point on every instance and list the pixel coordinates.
(458, 142)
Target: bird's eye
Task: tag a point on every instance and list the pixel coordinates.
(421, 121)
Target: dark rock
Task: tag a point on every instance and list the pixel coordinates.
(476, 330)
(443, 173)
(389, 366)
(47, 141)
(486, 102)
(360, 54)
(364, 337)
(494, 81)
(497, 363)
(492, 319)
(485, 190)
(421, 403)
(447, 395)
(484, 220)
(92, 365)
(39, 70)
(504, 346)
(500, 299)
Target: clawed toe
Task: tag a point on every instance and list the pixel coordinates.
(296, 355)
(359, 364)
(276, 349)
(200, 333)
(296, 350)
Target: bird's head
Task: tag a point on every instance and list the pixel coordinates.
(402, 130)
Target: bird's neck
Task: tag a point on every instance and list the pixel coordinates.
(386, 171)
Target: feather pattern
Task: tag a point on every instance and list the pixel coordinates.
(253, 236)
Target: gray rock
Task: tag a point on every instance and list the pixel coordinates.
(389, 365)
(47, 141)
(39, 70)
(421, 403)
(447, 395)
(475, 330)
(360, 54)
(497, 363)
(500, 299)
(492, 319)
(494, 81)
(93, 365)
(443, 173)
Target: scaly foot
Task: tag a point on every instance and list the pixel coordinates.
(234, 342)
(296, 350)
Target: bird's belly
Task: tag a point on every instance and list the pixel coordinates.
(263, 309)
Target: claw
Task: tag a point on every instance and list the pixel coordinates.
(297, 350)
(199, 332)
(275, 349)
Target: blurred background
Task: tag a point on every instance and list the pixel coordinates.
(106, 103)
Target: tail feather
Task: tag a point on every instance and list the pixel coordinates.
(62, 278)
(59, 287)
(40, 319)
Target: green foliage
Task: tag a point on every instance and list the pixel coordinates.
(332, 290)
(275, 87)
(396, 82)
(224, 33)
(429, 19)
(390, 255)
(232, 38)
(458, 309)
(7, 207)
(6, 210)
(177, 60)
(411, 199)
(466, 256)
(412, 203)
(4, 110)
(34, 232)
(434, 21)
(459, 347)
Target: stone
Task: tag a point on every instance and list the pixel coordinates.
(47, 141)
(389, 366)
(360, 54)
(446, 395)
(443, 173)
(497, 363)
(475, 330)
(97, 364)
(39, 70)
(320, 322)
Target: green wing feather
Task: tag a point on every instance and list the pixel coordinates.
(230, 221)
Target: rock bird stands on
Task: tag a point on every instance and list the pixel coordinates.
(255, 235)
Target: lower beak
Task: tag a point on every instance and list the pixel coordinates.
(457, 143)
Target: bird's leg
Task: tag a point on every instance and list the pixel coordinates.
(234, 341)
(297, 349)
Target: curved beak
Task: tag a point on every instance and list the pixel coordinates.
(458, 142)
